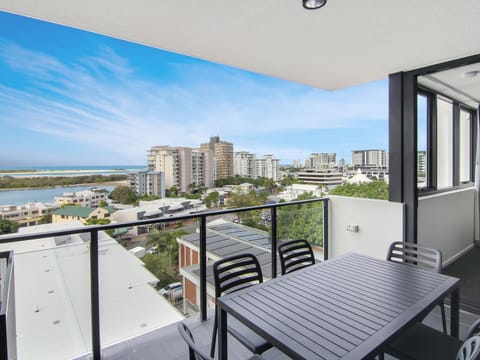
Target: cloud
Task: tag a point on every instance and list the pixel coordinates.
(103, 101)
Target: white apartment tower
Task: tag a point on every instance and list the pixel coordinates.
(369, 158)
(321, 160)
(183, 167)
(148, 183)
(268, 167)
(244, 164)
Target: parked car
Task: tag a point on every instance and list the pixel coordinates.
(173, 291)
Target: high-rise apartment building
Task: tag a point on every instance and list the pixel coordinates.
(244, 164)
(183, 167)
(148, 182)
(224, 159)
(321, 160)
(268, 167)
(247, 165)
(369, 158)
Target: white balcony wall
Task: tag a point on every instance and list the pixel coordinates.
(379, 224)
(446, 222)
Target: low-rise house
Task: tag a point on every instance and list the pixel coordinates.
(79, 213)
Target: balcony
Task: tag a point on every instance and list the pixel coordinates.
(79, 285)
(410, 46)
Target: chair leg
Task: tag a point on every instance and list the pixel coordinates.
(444, 320)
(214, 337)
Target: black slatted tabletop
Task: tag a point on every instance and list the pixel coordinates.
(345, 308)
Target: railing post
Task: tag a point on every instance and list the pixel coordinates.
(325, 230)
(273, 215)
(203, 267)
(94, 295)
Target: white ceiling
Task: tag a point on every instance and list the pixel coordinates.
(345, 43)
(456, 84)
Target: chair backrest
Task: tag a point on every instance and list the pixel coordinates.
(470, 349)
(194, 352)
(295, 255)
(428, 258)
(474, 329)
(237, 272)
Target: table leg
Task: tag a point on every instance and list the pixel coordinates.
(455, 312)
(222, 334)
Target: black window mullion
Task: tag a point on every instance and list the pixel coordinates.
(456, 144)
(432, 141)
(473, 147)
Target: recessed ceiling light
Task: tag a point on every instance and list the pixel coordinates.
(313, 4)
(473, 73)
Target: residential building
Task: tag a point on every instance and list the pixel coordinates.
(268, 168)
(162, 208)
(247, 165)
(28, 214)
(88, 198)
(321, 160)
(297, 164)
(80, 213)
(244, 164)
(148, 182)
(369, 158)
(183, 167)
(224, 159)
(223, 237)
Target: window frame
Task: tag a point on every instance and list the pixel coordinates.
(432, 142)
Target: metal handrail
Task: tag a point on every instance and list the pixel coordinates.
(94, 270)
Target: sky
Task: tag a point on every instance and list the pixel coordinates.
(70, 97)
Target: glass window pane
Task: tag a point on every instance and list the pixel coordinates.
(444, 144)
(465, 144)
(422, 164)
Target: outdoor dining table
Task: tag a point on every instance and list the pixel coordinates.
(345, 308)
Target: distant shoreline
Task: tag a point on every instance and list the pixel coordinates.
(92, 185)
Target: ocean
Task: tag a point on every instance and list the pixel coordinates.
(36, 171)
(20, 197)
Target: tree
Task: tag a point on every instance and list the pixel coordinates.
(371, 190)
(212, 199)
(91, 221)
(45, 219)
(165, 243)
(288, 180)
(123, 195)
(171, 192)
(304, 221)
(8, 227)
(103, 204)
(240, 200)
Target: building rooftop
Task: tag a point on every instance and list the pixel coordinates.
(52, 295)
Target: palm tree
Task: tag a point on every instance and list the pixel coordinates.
(165, 242)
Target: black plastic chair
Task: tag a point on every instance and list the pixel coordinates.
(423, 343)
(295, 255)
(232, 274)
(194, 351)
(430, 259)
